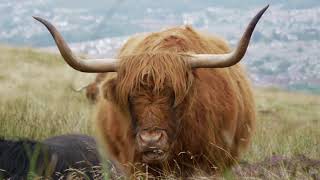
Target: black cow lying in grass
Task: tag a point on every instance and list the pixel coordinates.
(57, 158)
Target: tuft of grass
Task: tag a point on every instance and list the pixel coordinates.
(37, 102)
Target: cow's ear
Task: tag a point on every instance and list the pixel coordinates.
(109, 89)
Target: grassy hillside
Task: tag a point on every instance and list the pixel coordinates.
(37, 102)
(288, 124)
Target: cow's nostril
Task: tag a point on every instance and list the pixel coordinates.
(150, 137)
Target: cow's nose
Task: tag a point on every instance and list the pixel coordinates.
(151, 136)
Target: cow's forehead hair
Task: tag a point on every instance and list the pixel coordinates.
(158, 70)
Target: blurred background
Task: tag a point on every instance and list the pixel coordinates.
(284, 51)
(37, 89)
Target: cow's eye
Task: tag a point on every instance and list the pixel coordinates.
(170, 95)
(130, 99)
(133, 116)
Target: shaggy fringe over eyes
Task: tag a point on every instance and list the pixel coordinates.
(156, 71)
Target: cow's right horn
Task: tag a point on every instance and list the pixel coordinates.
(232, 58)
(84, 65)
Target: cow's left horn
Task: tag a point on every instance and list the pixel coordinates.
(84, 65)
(227, 60)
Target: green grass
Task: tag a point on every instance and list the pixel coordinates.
(37, 102)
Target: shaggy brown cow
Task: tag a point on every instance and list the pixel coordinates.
(178, 103)
(92, 89)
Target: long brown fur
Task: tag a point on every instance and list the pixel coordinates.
(160, 70)
(215, 106)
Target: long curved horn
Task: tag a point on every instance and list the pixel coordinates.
(230, 59)
(84, 65)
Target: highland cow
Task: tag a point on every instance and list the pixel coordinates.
(92, 89)
(177, 101)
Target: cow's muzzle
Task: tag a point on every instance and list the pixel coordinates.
(153, 145)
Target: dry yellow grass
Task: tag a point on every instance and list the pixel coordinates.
(37, 102)
(288, 124)
(36, 96)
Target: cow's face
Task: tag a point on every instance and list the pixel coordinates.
(154, 122)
